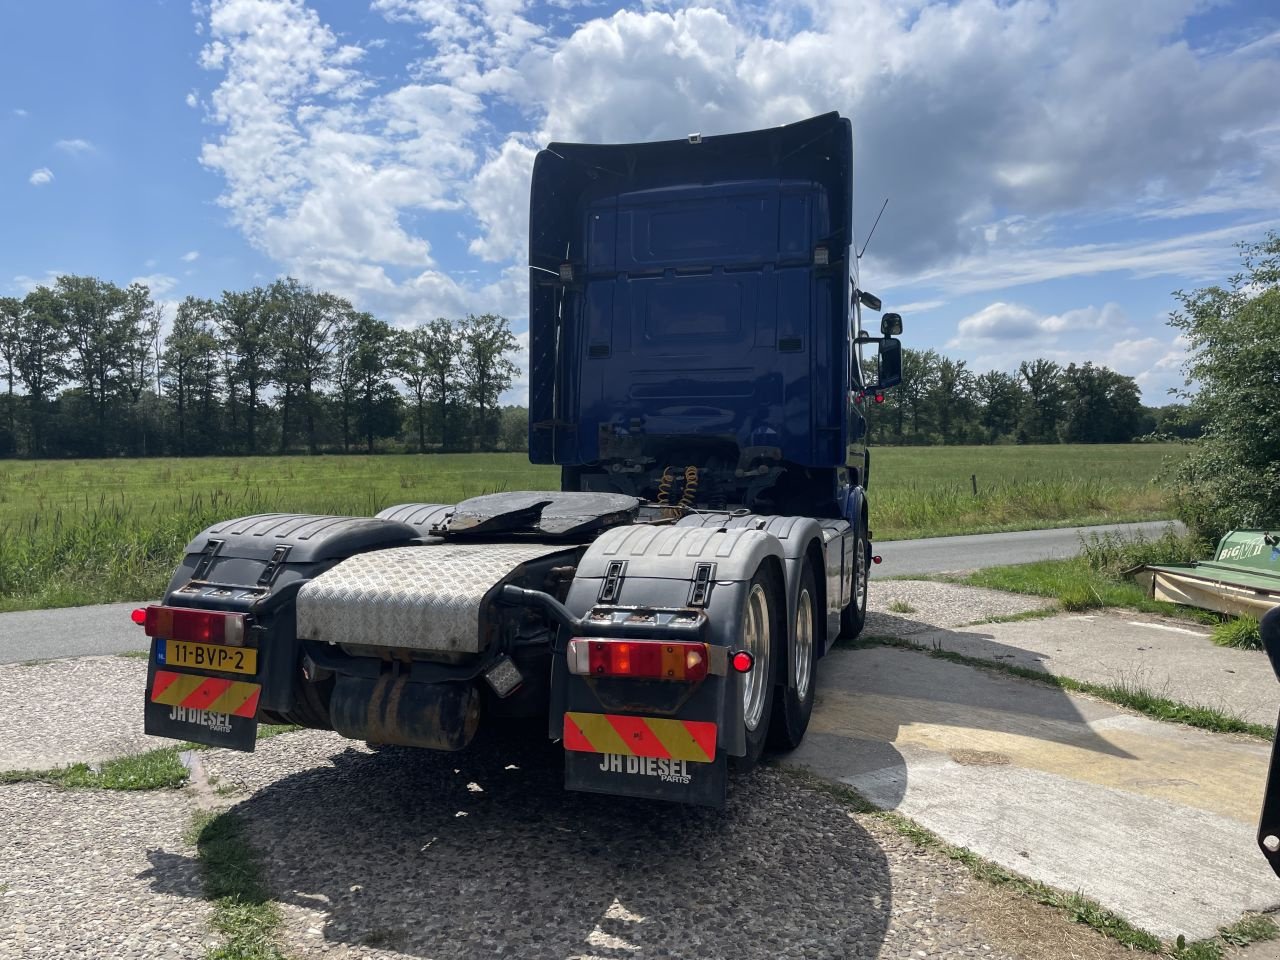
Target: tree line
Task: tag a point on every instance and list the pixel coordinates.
(274, 369)
(91, 371)
(942, 401)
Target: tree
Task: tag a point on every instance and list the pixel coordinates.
(999, 399)
(246, 325)
(1233, 346)
(412, 353)
(950, 398)
(92, 316)
(187, 364)
(1099, 406)
(10, 314)
(441, 361)
(40, 359)
(486, 368)
(305, 328)
(139, 353)
(1042, 408)
(369, 343)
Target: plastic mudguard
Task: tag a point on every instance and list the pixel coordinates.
(632, 737)
(255, 566)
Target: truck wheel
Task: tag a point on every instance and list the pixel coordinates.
(760, 628)
(854, 615)
(793, 704)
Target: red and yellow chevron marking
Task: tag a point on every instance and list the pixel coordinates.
(693, 740)
(235, 697)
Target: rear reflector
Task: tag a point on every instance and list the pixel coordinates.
(196, 626)
(639, 659)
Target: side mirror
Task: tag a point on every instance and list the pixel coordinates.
(891, 325)
(869, 300)
(890, 364)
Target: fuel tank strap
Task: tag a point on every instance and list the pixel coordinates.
(419, 598)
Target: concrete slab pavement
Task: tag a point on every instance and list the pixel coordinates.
(1153, 820)
(1172, 659)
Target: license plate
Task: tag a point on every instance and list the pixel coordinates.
(206, 656)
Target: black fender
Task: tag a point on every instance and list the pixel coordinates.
(658, 569)
(803, 540)
(256, 565)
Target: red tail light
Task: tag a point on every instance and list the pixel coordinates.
(639, 659)
(197, 626)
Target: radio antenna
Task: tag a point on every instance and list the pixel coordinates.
(873, 228)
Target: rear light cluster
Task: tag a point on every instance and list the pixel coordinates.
(197, 626)
(639, 659)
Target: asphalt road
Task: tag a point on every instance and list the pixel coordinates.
(947, 554)
(106, 629)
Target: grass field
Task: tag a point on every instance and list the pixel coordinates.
(89, 531)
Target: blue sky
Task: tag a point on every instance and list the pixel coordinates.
(1054, 170)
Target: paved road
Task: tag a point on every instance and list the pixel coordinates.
(106, 629)
(945, 554)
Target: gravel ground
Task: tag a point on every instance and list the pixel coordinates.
(938, 605)
(89, 873)
(402, 853)
(66, 711)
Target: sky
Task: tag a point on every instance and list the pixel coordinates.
(1054, 171)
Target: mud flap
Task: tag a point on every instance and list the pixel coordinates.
(650, 778)
(228, 720)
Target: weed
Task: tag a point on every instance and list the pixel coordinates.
(1016, 617)
(1241, 632)
(153, 770)
(242, 907)
(1077, 597)
(900, 606)
(268, 730)
(1251, 929)
(1075, 581)
(1113, 554)
(135, 654)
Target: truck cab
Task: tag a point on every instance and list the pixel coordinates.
(692, 306)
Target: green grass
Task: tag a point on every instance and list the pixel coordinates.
(92, 531)
(1241, 632)
(153, 770)
(242, 907)
(1122, 694)
(926, 491)
(1076, 586)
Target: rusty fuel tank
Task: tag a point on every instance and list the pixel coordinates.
(394, 710)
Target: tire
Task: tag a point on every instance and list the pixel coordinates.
(793, 703)
(854, 616)
(761, 622)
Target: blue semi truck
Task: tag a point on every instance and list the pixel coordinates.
(696, 346)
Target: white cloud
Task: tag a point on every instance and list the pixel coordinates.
(191, 256)
(158, 283)
(19, 112)
(76, 146)
(192, 100)
(992, 126)
(918, 306)
(1002, 321)
(39, 177)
